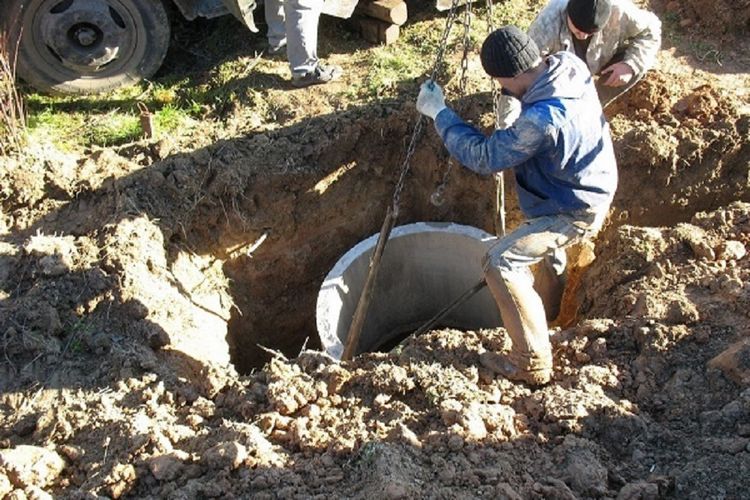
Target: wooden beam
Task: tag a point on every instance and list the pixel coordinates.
(390, 11)
(377, 31)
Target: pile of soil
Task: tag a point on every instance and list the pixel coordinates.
(158, 339)
(719, 16)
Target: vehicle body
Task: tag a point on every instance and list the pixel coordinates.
(90, 46)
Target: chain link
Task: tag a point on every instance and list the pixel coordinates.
(355, 329)
(438, 196)
(495, 90)
(500, 177)
(450, 20)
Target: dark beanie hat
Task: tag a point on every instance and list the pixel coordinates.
(589, 16)
(508, 52)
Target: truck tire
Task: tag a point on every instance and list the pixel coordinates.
(88, 46)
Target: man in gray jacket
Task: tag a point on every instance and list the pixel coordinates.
(561, 155)
(617, 40)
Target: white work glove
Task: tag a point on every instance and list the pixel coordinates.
(430, 101)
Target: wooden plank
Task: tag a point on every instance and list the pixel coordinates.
(390, 11)
(377, 31)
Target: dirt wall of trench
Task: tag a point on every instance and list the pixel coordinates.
(219, 253)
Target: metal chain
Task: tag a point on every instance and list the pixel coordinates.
(495, 90)
(358, 319)
(500, 177)
(450, 20)
(438, 196)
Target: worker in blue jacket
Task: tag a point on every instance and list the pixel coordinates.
(561, 155)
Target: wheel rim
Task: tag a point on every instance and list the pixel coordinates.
(84, 38)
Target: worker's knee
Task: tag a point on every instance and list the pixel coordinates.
(503, 262)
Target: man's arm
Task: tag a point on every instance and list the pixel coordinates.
(643, 31)
(545, 29)
(486, 155)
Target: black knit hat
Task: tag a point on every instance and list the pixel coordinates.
(589, 16)
(508, 52)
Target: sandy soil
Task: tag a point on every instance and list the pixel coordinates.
(157, 314)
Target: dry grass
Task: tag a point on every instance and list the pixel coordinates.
(13, 123)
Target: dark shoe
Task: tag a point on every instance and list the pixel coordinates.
(502, 365)
(275, 52)
(321, 74)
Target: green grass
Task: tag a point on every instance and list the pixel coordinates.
(388, 67)
(239, 85)
(112, 119)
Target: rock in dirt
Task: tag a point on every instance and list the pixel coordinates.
(585, 473)
(726, 445)
(553, 489)
(166, 467)
(121, 480)
(639, 491)
(734, 362)
(72, 453)
(732, 250)
(226, 456)
(696, 238)
(405, 435)
(56, 253)
(31, 465)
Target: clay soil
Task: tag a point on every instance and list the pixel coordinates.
(157, 311)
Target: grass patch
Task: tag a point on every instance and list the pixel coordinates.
(113, 119)
(213, 74)
(73, 130)
(388, 68)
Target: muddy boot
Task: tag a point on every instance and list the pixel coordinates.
(522, 311)
(502, 365)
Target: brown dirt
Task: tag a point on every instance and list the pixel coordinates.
(135, 285)
(718, 16)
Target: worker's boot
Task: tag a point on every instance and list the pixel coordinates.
(522, 311)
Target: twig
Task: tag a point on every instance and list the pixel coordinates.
(304, 346)
(5, 353)
(106, 449)
(273, 352)
(11, 104)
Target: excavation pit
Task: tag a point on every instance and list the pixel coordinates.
(309, 215)
(425, 266)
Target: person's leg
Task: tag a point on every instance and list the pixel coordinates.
(510, 281)
(274, 11)
(549, 282)
(302, 18)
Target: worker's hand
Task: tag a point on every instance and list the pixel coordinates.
(430, 101)
(617, 75)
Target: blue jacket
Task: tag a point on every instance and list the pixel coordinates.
(559, 148)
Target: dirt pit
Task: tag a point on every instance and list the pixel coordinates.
(158, 322)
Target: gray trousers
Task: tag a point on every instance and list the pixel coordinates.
(295, 23)
(507, 271)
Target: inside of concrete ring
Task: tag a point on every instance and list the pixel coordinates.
(425, 266)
